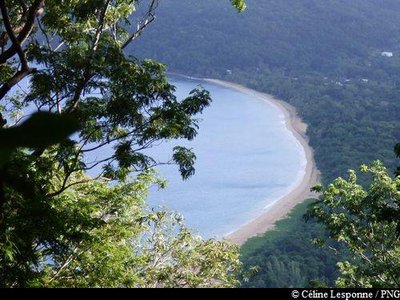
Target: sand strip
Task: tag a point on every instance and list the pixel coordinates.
(281, 207)
(298, 194)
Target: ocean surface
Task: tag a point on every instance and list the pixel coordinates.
(246, 160)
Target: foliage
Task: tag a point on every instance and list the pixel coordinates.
(324, 57)
(239, 4)
(40, 130)
(367, 221)
(59, 227)
(285, 257)
(81, 71)
(105, 236)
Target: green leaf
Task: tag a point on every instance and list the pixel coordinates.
(42, 129)
(239, 4)
(185, 159)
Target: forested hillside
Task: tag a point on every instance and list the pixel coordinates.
(324, 57)
(285, 257)
(336, 61)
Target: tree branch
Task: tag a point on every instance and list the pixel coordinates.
(23, 7)
(86, 74)
(33, 11)
(16, 47)
(100, 26)
(14, 80)
(146, 21)
(12, 36)
(4, 36)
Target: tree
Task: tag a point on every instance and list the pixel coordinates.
(367, 222)
(106, 236)
(80, 69)
(82, 81)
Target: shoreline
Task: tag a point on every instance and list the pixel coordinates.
(281, 207)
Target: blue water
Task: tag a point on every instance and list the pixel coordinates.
(246, 160)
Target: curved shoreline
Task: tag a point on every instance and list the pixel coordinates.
(282, 206)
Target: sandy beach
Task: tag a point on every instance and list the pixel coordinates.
(298, 194)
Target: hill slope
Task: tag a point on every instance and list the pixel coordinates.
(208, 36)
(324, 57)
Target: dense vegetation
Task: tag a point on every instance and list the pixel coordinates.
(367, 222)
(59, 227)
(362, 238)
(328, 59)
(324, 57)
(285, 258)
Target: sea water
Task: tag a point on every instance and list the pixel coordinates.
(246, 160)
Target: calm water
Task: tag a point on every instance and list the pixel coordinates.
(246, 160)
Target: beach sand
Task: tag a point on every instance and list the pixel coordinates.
(280, 208)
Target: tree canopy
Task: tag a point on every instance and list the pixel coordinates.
(367, 222)
(96, 235)
(323, 57)
(63, 63)
(327, 59)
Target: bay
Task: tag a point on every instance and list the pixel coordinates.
(246, 160)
